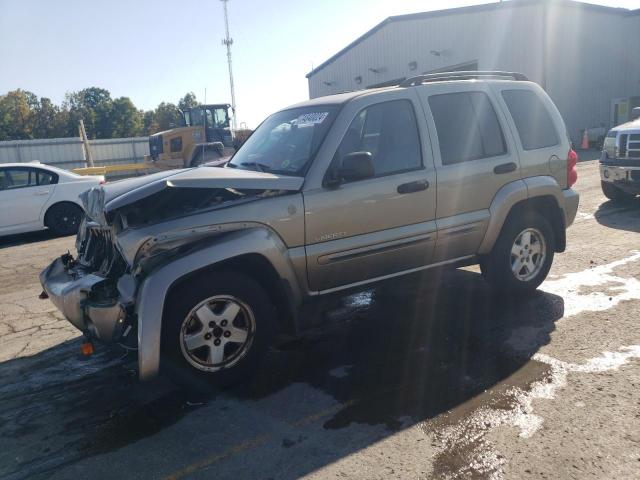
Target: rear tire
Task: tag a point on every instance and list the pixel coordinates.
(614, 194)
(64, 218)
(522, 256)
(201, 347)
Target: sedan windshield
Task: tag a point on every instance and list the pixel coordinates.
(287, 141)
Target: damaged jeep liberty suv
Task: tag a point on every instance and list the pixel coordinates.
(203, 268)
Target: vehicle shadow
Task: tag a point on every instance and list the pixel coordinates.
(620, 216)
(396, 355)
(26, 238)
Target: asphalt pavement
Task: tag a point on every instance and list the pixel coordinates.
(430, 376)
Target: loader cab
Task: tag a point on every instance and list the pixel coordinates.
(215, 120)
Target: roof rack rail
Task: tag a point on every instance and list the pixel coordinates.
(462, 75)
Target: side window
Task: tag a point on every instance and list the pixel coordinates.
(46, 178)
(5, 181)
(533, 122)
(19, 178)
(389, 132)
(175, 144)
(467, 127)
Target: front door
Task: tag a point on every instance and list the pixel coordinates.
(379, 226)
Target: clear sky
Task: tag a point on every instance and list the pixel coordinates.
(157, 50)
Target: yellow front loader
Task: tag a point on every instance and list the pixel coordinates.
(204, 136)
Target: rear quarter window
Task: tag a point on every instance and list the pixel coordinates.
(533, 121)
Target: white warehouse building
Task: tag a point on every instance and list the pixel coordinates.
(587, 57)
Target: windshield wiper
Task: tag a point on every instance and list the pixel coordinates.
(259, 166)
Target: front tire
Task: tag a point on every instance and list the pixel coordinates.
(523, 254)
(64, 218)
(217, 328)
(614, 194)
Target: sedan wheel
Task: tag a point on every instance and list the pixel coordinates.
(217, 333)
(64, 218)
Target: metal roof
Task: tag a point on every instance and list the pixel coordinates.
(471, 9)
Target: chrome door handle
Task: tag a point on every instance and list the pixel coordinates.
(411, 187)
(42, 193)
(505, 168)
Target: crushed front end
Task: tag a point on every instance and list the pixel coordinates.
(93, 291)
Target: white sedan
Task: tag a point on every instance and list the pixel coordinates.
(35, 196)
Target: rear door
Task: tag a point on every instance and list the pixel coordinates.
(382, 225)
(474, 158)
(540, 132)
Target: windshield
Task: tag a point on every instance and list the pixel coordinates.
(287, 141)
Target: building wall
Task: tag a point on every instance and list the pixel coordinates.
(592, 53)
(590, 62)
(461, 38)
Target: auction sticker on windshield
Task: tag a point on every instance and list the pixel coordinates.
(311, 118)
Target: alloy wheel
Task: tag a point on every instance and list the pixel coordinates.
(528, 254)
(217, 333)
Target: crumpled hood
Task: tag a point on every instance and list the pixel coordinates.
(101, 200)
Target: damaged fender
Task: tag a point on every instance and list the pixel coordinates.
(153, 290)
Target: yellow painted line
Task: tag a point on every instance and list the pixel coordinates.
(322, 413)
(253, 443)
(215, 458)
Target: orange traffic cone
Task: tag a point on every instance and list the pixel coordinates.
(585, 141)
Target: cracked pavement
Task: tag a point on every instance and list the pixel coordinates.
(432, 376)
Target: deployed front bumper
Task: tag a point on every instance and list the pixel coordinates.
(84, 300)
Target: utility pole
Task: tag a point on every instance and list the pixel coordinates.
(228, 41)
(85, 143)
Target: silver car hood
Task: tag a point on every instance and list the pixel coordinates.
(101, 200)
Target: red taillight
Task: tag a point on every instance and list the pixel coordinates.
(572, 173)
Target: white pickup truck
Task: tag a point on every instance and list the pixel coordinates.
(620, 160)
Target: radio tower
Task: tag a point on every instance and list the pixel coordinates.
(228, 41)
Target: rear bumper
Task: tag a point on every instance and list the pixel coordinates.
(70, 289)
(571, 201)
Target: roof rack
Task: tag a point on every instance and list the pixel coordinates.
(462, 75)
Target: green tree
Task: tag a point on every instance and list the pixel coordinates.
(126, 120)
(17, 115)
(167, 116)
(188, 101)
(150, 126)
(93, 105)
(44, 119)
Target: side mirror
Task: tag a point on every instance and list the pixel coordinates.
(635, 113)
(357, 166)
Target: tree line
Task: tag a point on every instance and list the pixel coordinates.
(24, 116)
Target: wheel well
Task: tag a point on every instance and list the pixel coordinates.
(260, 269)
(548, 207)
(46, 214)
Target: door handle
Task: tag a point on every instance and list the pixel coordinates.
(505, 168)
(411, 187)
(42, 193)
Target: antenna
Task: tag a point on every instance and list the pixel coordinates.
(228, 41)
